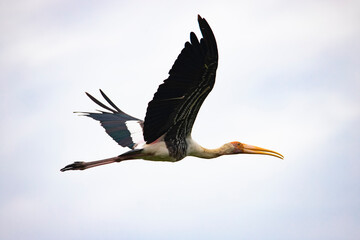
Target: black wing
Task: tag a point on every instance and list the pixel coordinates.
(177, 101)
(123, 128)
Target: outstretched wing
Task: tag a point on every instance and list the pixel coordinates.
(177, 101)
(123, 128)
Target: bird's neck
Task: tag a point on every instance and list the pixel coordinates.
(210, 153)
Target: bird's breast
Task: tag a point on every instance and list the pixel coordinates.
(177, 147)
(157, 151)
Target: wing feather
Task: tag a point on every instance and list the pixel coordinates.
(175, 105)
(123, 128)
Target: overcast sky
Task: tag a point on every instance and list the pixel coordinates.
(288, 80)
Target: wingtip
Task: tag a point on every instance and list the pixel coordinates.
(82, 113)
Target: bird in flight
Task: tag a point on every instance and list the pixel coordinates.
(165, 134)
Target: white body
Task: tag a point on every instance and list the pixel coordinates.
(158, 151)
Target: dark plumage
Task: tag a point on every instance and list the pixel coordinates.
(165, 135)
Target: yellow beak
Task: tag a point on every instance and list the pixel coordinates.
(258, 150)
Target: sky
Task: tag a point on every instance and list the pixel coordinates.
(288, 80)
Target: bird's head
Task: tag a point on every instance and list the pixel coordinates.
(238, 147)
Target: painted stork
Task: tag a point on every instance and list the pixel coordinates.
(165, 135)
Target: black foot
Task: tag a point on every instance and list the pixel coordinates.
(74, 166)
